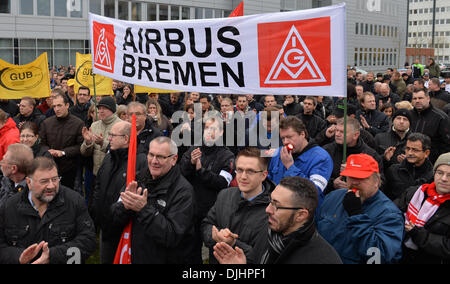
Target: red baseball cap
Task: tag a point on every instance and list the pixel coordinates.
(360, 166)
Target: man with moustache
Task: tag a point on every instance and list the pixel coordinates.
(427, 209)
(361, 221)
(415, 169)
(292, 237)
(46, 221)
(237, 216)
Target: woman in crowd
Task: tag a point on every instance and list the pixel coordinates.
(29, 135)
(158, 118)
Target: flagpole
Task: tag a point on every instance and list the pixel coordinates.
(95, 97)
(344, 151)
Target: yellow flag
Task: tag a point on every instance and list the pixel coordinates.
(141, 89)
(32, 79)
(84, 77)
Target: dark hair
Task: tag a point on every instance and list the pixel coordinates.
(63, 96)
(41, 163)
(254, 152)
(84, 88)
(295, 123)
(424, 139)
(205, 96)
(30, 125)
(304, 193)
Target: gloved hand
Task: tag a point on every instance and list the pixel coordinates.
(352, 204)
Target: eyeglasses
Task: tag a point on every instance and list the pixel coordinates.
(160, 158)
(46, 181)
(249, 172)
(276, 207)
(407, 149)
(114, 135)
(27, 136)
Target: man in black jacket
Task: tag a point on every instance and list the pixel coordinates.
(80, 109)
(209, 168)
(61, 135)
(292, 236)
(432, 122)
(146, 132)
(28, 112)
(46, 222)
(370, 118)
(314, 124)
(427, 234)
(415, 169)
(391, 144)
(161, 209)
(111, 179)
(238, 216)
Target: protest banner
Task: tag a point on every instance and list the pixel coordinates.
(298, 52)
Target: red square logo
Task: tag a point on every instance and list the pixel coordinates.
(104, 49)
(295, 53)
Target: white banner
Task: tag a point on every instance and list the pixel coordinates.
(299, 52)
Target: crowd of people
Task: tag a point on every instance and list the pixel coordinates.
(251, 178)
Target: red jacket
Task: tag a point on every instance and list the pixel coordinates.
(9, 134)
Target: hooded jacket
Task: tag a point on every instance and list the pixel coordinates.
(9, 134)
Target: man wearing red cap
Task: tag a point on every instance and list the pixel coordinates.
(360, 222)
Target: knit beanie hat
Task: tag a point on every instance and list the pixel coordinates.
(443, 159)
(108, 102)
(403, 112)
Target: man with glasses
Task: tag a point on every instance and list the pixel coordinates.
(427, 209)
(146, 132)
(360, 222)
(14, 166)
(160, 205)
(46, 222)
(111, 179)
(209, 168)
(415, 169)
(237, 217)
(292, 237)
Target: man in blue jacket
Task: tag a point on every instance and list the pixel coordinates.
(361, 223)
(306, 159)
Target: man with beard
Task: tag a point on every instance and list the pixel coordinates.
(45, 221)
(292, 236)
(209, 168)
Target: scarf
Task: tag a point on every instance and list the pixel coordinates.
(419, 212)
(278, 242)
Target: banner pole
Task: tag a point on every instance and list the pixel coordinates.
(344, 151)
(95, 97)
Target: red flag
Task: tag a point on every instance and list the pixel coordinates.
(123, 253)
(239, 11)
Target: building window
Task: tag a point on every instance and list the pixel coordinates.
(95, 6)
(26, 7)
(185, 13)
(151, 12)
(123, 10)
(76, 8)
(5, 6)
(109, 8)
(7, 50)
(136, 11)
(163, 12)
(60, 8)
(43, 7)
(174, 12)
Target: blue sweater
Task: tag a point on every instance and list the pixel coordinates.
(376, 234)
